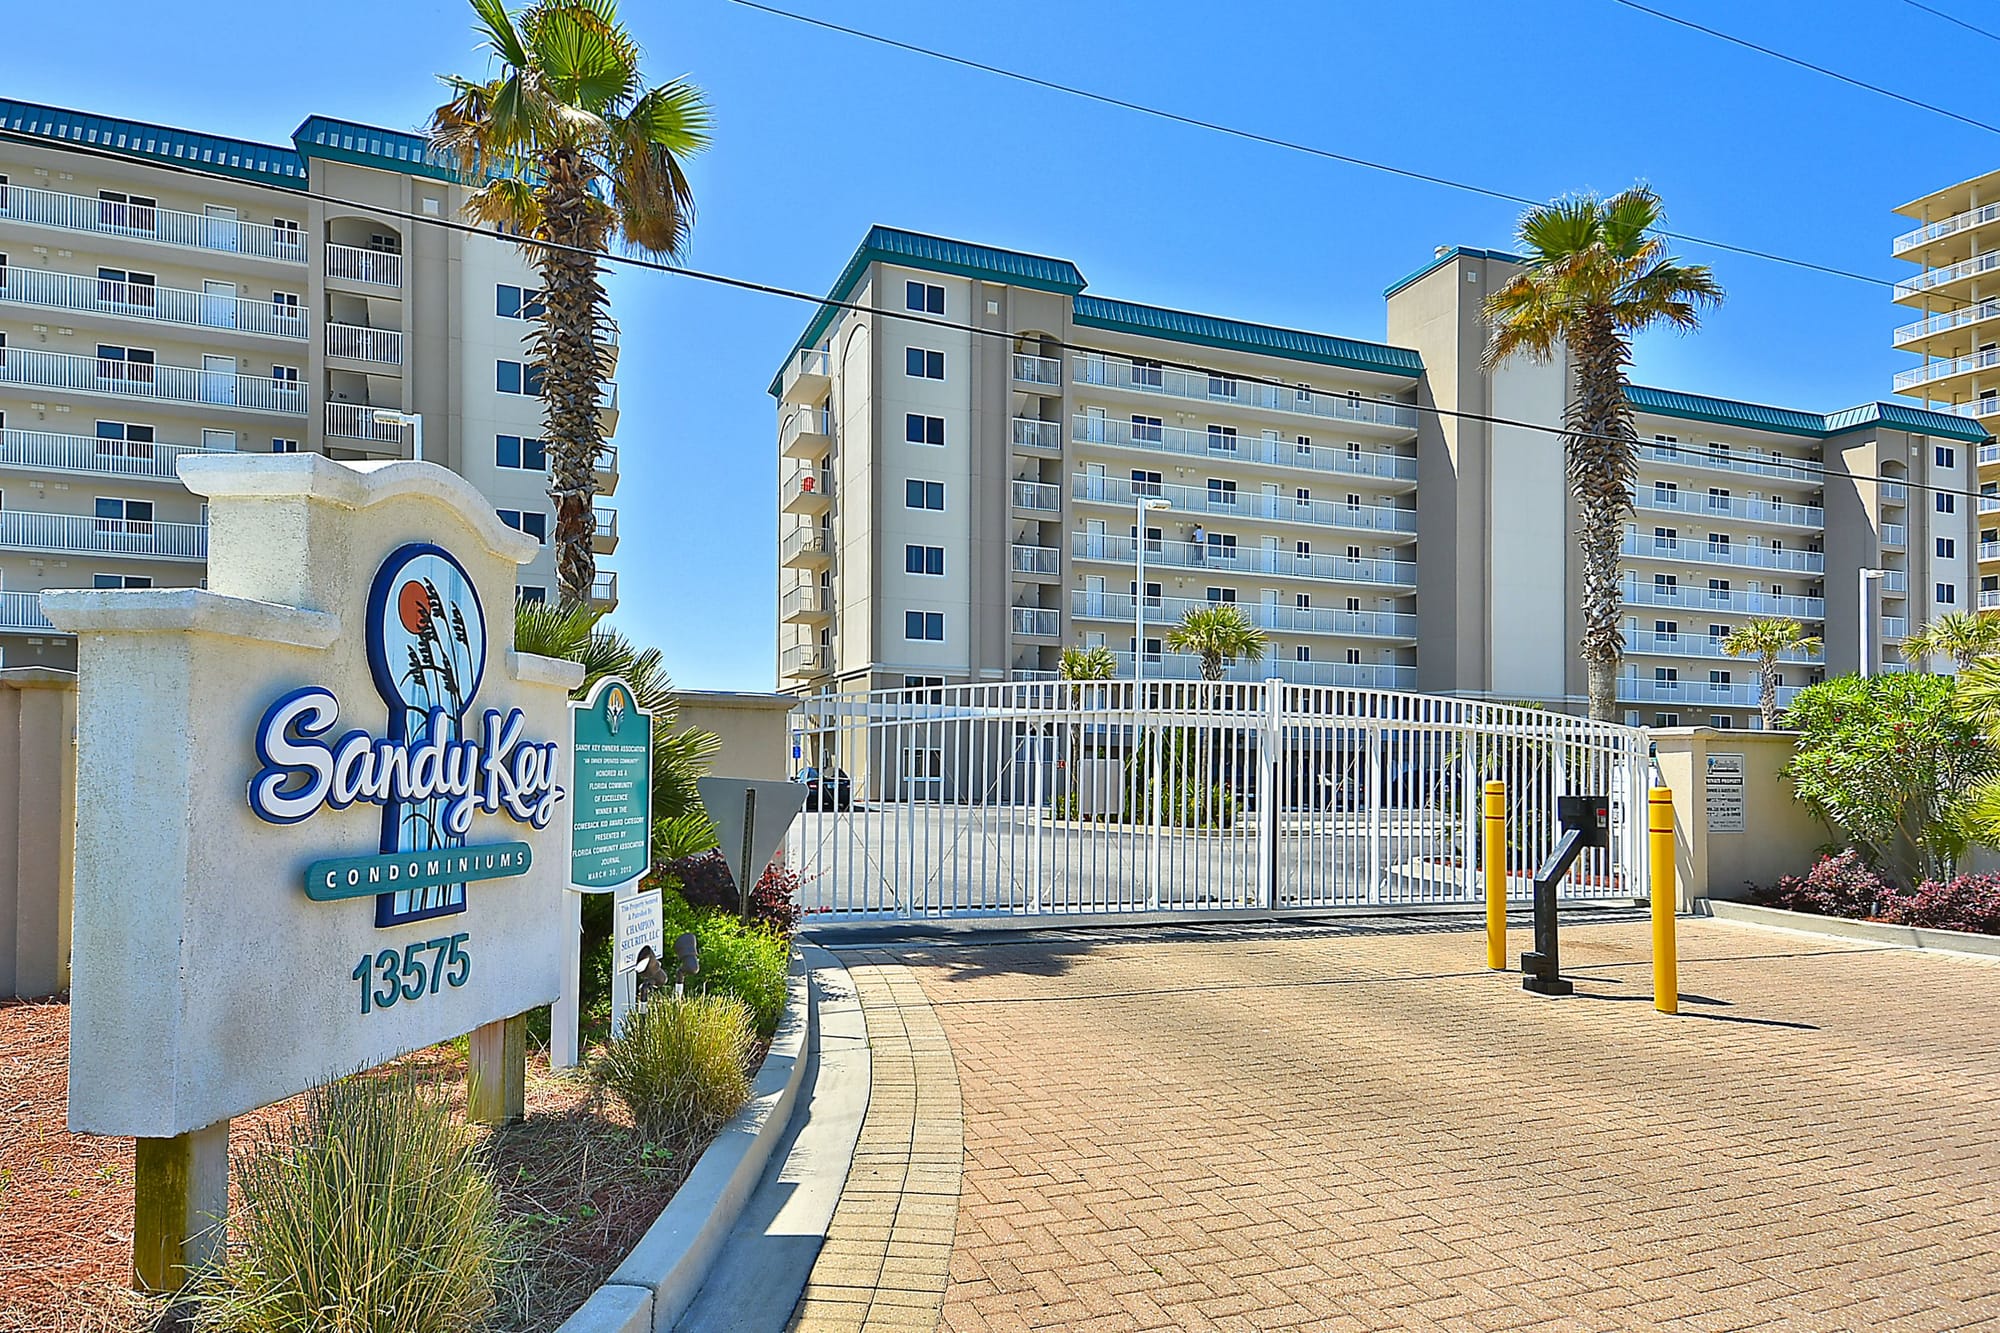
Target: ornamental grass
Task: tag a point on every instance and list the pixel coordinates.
(680, 1065)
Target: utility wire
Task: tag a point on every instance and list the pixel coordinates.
(1806, 470)
(1948, 18)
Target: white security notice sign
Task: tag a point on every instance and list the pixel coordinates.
(1725, 793)
(639, 925)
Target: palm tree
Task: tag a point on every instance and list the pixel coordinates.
(1087, 664)
(1767, 640)
(568, 146)
(1597, 274)
(1965, 637)
(1217, 634)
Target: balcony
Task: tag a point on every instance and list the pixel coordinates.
(1212, 559)
(605, 473)
(1701, 504)
(1351, 675)
(1271, 450)
(370, 268)
(66, 373)
(1038, 437)
(806, 434)
(1700, 693)
(1989, 550)
(76, 294)
(1989, 599)
(604, 533)
(1231, 504)
(1933, 278)
(1035, 497)
(1800, 472)
(380, 347)
(41, 451)
(1034, 622)
(1274, 617)
(1636, 593)
(1922, 329)
(158, 226)
(1642, 547)
(23, 610)
(1908, 381)
(607, 406)
(356, 421)
(806, 602)
(604, 589)
(1038, 374)
(1650, 643)
(1896, 581)
(1207, 387)
(1951, 226)
(1036, 562)
(805, 548)
(1989, 504)
(1895, 629)
(803, 659)
(1894, 492)
(1989, 453)
(83, 534)
(1892, 536)
(808, 376)
(806, 490)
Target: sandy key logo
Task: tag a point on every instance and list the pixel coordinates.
(438, 765)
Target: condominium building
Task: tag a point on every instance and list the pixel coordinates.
(970, 456)
(1956, 244)
(277, 298)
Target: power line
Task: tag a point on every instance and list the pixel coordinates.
(1849, 80)
(1949, 18)
(1806, 470)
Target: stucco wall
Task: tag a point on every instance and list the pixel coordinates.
(1779, 835)
(756, 742)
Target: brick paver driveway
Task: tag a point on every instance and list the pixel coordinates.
(1265, 1128)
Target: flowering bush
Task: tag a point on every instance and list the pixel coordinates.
(1970, 902)
(707, 881)
(1845, 885)
(1842, 885)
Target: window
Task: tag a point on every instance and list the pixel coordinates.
(530, 521)
(923, 560)
(1353, 657)
(1302, 394)
(1304, 496)
(1718, 497)
(1147, 430)
(1947, 548)
(1221, 595)
(1946, 594)
(133, 365)
(1221, 493)
(1947, 457)
(1222, 439)
(1304, 550)
(1302, 654)
(124, 439)
(1666, 675)
(515, 451)
(284, 374)
(1148, 374)
(1353, 552)
(920, 429)
(923, 495)
(122, 515)
(1718, 543)
(1303, 601)
(1153, 592)
(1221, 386)
(511, 302)
(1667, 494)
(935, 684)
(1666, 582)
(288, 233)
(284, 446)
(1145, 483)
(1718, 677)
(1666, 719)
(1947, 503)
(285, 304)
(120, 581)
(1353, 603)
(924, 626)
(1304, 444)
(925, 298)
(117, 286)
(919, 364)
(1720, 721)
(1221, 546)
(513, 377)
(1718, 590)
(125, 212)
(530, 592)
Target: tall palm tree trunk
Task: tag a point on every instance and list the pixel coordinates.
(1599, 449)
(1767, 692)
(573, 367)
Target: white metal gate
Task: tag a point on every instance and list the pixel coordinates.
(1035, 797)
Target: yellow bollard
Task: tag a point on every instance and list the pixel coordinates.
(1496, 876)
(1666, 958)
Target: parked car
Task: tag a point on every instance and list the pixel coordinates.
(826, 790)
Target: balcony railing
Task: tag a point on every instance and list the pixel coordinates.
(1199, 386)
(1916, 376)
(803, 659)
(1038, 497)
(1895, 628)
(1946, 322)
(383, 347)
(807, 375)
(803, 543)
(803, 600)
(1036, 559)
(84, 534)
(1037, 622)
(1636, 593)
(1038, 436)
(1652, 643)
(1695, 551)
(1211, 558)
(806, 485)
(604, 588)
(1937, 231)
(162, 226)
(22, 610)
(1802, 472)
(45, 451)
(1041, 371)
(1892, 535)
(1353, 675)
(63, 371)
(1938, 277)
(1700, 503)
(1247, 504)
(77, 294)
(1276, 617)
(802, 422)
(1895, 580)
(356, 421)
(1989, 550)
(1989, 453)
(1272, 449)
(377, 268)
(1894, 492)
(1713, 694)
(1989, 599)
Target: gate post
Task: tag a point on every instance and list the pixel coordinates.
(1375, 782)
(1269, 788)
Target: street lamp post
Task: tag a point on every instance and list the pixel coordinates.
(386, 417)
(1140, 505)
(1871, 622)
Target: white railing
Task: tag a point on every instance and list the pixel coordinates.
(1347, 675)
(164, 226)
(63, 371)
(1937, 231)
(802, 542)
(1714, 694)
(1043, 436)
(1700, 503)
(381, 346)
(1268, 448)
(1276, 617)
(1895, 628)
(1989, 550)
(604, 521)
(1037, 622)
(356, 421)
(604, 587)
(1036, 559)
(1936, 370)
(1246, 559)
(1636, 593)
(1697, 551)
(1989, 599)
(22, 610)
(1894, 492)
(1892, 534)
(806, 373)
(1938, 277)
(351, 263)
(1983, 406)
(1946, 322)
(1895, 580)
(1038, 497)
(802, 422)
(78, 294)
(1802, 472)
(1208, 387)
(607, 464)
(83, 534)
(803, 659)
(1989, 453)
(1651, 643)
(803, 600)
(1044, 371)
(46, 451)
(807, 485)
(1246, 504)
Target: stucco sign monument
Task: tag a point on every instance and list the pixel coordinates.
(320, 817)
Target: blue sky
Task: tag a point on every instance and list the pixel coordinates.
(818, 135)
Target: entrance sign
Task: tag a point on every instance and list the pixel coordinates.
(611, 807)
(1725, 793)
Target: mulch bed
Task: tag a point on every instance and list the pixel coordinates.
(577, 1186)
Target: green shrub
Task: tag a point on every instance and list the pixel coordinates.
(679, 1065)
(371, 1213)
(749, 962)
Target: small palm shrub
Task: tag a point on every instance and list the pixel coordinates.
(679, 1065)
(373, 1212)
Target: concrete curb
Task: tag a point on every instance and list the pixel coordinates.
(1873, 932)
(664, 1271)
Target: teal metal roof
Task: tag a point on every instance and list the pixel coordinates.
(1454, 252)
(1233, 335)
(1812, 425)
(370, 146)
(264, 164)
